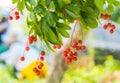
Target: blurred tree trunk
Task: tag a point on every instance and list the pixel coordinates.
(58, 68)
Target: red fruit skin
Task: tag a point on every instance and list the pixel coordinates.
(17, 17)
(83, 47)
(22, 58)
(105, 17)
(30, 41)
(75, 54)
(42, 53)
(42, 58)
(40, 65)
(58, 46)
(105, 27)
(27, 48)
(113, 26)
(10, 18)
(35, 69)
(34, 39)
(109, 24)
(65, 54)
(74, 58)
(16, 13)
(80, 41)
(68, 49)
(38, 72)
(68, 60)
(111, 31)
(74, 44)
(54, 46)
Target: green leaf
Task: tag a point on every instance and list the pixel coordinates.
(42, 2)
(60, 3)
(37, 10)
(63, 32)
(51, 6)
(71, 13)
(109, 9)
(32, 16)
(48, 45)
(116, 3)
(67, 1)
(21, 5)
(14, 1)
(50, 35)
(92, 23)
(28, 6)
(63, 26)
(51, 18)
(99, 4)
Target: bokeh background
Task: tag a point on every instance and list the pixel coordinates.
(99, 63)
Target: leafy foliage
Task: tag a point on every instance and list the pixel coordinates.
(49, 19)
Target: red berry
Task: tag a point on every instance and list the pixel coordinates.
(80, 41)
(42, 53)
(54, 46)
(40, 65)
(27, 48)
(105, 16)
(111, 31)
(10, 18)
(74, 58)
(34, 69)
(109, 24)
(30, 41)
(65, 54)
(83, 47)
(34, 39)
(68, 60)
(41, 58)
(68, 49)
(22, 58)
(113, 26)
(38, 72)
(109, 16)
(17, 17)
(16, 13)
(75, 53)
(74, 44)
(58, 46)
(105, 27)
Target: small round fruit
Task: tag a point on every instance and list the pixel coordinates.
(16, 13)
(17, 17)
(27, 48)
(105, 27)
(83, 47)
(111, 31)
(42, 53)
(10, 18)
(22, 58)
(74, 58)
(42, 58)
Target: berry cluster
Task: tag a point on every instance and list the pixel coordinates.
(108, 25)
(56, 46)
(37, 69)
(40, 66)
(15, 15)
(71, 53)
(105, 16)
(32, 39)
(111, 26)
